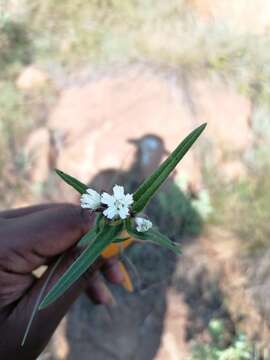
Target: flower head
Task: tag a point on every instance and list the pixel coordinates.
(91, 200)
(143, 225)
(118, 203)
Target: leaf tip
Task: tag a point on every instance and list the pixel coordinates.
(43, 304)
(203, 126)
(23, 341)
(58, 172)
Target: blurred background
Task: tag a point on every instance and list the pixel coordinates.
(103, 89)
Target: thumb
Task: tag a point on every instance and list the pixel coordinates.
(39, 237)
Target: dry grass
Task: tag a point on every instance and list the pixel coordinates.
(243, 207)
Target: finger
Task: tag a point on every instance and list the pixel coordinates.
(127, 281)
(112, 271)
(115, 271)
(30, 240)
(14, 213)
(45, 321)
(99, 293)
(13, 286)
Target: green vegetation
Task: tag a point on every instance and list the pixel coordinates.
(13, 128)
(71, 33)
(243, 207)
(181, 217)
(238, 349)
(76, 33)
(15, 48)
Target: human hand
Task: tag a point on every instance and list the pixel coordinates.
(31, 237)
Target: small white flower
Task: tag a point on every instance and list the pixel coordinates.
(118, 203)
(91, 200)
(143, 225)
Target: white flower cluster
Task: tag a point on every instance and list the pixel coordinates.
(143, 225)
(118, 205)
(91, 200)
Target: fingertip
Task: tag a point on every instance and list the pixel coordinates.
(112, 271)
(99, 293)
(87, 219)
(77, 216)
(51, 232)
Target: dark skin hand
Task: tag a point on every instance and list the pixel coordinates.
(31, 237)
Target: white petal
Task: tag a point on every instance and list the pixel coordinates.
(118, 192)
(139, 220)
(107, 199)
(124, 212)
(110, 212)
(85, 206)
(85, 197)
(143, 225)
(93, 193)
(91, 199)
(86, 200)
(129, 199)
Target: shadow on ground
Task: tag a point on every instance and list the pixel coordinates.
(132, 330)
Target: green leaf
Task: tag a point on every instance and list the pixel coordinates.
(119, 240)
(76, 184)
(149, 187)
(163, 240)
(155, 236)
(85, 240)
(81, 264)
(88, 238)
(99, 222)
(36, 306)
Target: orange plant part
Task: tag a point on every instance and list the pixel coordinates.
(127, 283)
(114, 250)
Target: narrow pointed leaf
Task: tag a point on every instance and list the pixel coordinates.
(152, 184)
(88, 238)
(76, 184)
(36, 306)
(81, 264)
(155, 236)
(163, 240)
(85, 240)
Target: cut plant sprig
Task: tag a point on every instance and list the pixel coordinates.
(116, 223)
(117, 213)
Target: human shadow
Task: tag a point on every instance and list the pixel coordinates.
(132, 329)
